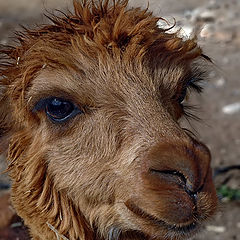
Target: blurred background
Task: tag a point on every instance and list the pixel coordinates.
(217, 23)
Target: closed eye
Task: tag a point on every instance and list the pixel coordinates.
(58, 110)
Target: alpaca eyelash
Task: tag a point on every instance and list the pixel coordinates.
(189, 112)
(194, 83)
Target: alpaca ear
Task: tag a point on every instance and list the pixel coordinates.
(6, 123)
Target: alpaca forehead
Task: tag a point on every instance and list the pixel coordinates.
(87, 88)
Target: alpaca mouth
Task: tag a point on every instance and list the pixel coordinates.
(187, 229)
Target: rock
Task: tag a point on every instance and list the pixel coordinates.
(213, 5)
(231, 108)
(237, 141)
(6, 211)
(237, 38)
(207, 31)
(225, 60)
(193, 15)
(11, 226)
(220, 82)
(224, 36)
(236, 92)
(223, 150)
(217, 229)
(207, 16)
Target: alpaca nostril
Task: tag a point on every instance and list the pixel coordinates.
(179, 179)
(173, 175)
(179, 175)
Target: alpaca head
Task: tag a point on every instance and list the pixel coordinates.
(91, 107)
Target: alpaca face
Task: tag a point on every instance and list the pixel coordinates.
(97, 142)
(120, 154)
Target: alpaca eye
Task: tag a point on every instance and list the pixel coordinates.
(182, 96)
(59, 110)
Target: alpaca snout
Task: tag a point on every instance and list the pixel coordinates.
(185, 164)
(177, 187)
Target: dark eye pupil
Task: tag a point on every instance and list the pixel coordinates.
(58, 109)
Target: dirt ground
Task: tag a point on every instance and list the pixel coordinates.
(218, 27)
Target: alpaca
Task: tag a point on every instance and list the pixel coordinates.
(89, 117)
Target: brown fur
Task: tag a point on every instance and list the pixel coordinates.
(108, 173)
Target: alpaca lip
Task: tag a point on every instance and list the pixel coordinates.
(184, 229)
(180, 229)
(177, 228)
